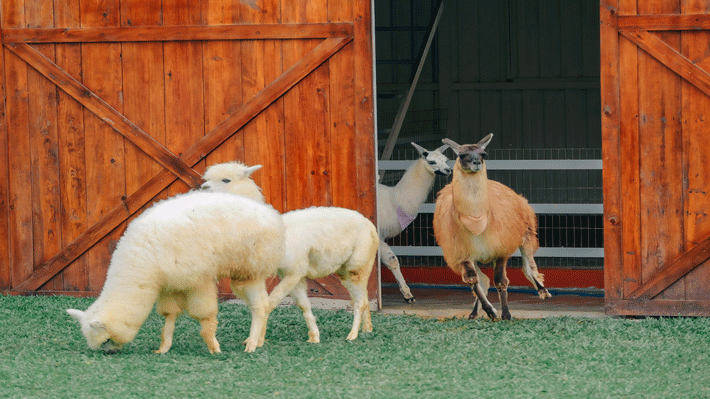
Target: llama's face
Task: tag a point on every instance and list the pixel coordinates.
(435, 161)
(471, 157)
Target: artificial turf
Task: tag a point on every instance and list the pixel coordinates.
(42, 354)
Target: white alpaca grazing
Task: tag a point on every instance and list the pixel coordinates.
(320, 241)
(481, 220)
(399, 205)
(174, 253)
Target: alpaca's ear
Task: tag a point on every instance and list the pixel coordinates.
(78, 315)
(97, 325)
(484, 143)
(251, 170)
(421, 150)
(454, 146)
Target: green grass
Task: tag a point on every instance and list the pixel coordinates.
(42, 354)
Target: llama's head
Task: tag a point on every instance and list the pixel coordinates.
(233, 178)
(435, 161)
(470, 156)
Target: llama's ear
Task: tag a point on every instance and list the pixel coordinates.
(454, 146)
(421, 150)
(251, 170)
(443, 148)
(484, 143)
(78, 315)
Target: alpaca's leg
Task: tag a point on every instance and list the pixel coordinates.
(390, 260)
(532, 274)
(169, 307)
(470, 277)
(356, 284)
(257, 298)
(299, 295)
(501, 280)
(285, 286)
(202, 305)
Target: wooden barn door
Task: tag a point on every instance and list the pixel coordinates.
(112, 105)
(655, 80)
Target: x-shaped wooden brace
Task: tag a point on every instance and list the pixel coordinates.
(176, 167)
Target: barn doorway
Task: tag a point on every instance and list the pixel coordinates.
(528, 71)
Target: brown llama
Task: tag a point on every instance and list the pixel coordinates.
(477, 220)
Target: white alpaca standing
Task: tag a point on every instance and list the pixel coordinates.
(320, 241)
(174, 253)
(481, 220)
(399, 205)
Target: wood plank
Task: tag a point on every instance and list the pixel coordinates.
(611, 150)
(342, 130)
(305, 107)
(194, 154)
(105, 149)
(660, 166)
(366, 150)
(106, 112)
(178, 33)
(264, 135)
(72, 167)
(664, 22)
(671, 58)
(5, 271)
(696, 163)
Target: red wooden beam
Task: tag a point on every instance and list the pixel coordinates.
(664, 22)
(177, 33)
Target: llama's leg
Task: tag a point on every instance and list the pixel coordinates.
(390, 260)
(299, 295)
(257, 298)
(501, 281)
(356, 284)
(470, 277)
(170, 307)
(202, 305)
(532, 274)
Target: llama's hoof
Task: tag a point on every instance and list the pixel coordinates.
(543, 293)
(473, 315)
(410, 300)
(505, 315)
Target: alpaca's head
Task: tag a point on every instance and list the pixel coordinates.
(233, 178)
(96, 334)
(435, 161)
(471, 157)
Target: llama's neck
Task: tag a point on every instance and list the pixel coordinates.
(412, 190)
(470, 191)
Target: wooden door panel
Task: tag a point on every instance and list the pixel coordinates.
(108, 214)
(655, 90)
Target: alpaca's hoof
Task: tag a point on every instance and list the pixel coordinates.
(410, 300)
